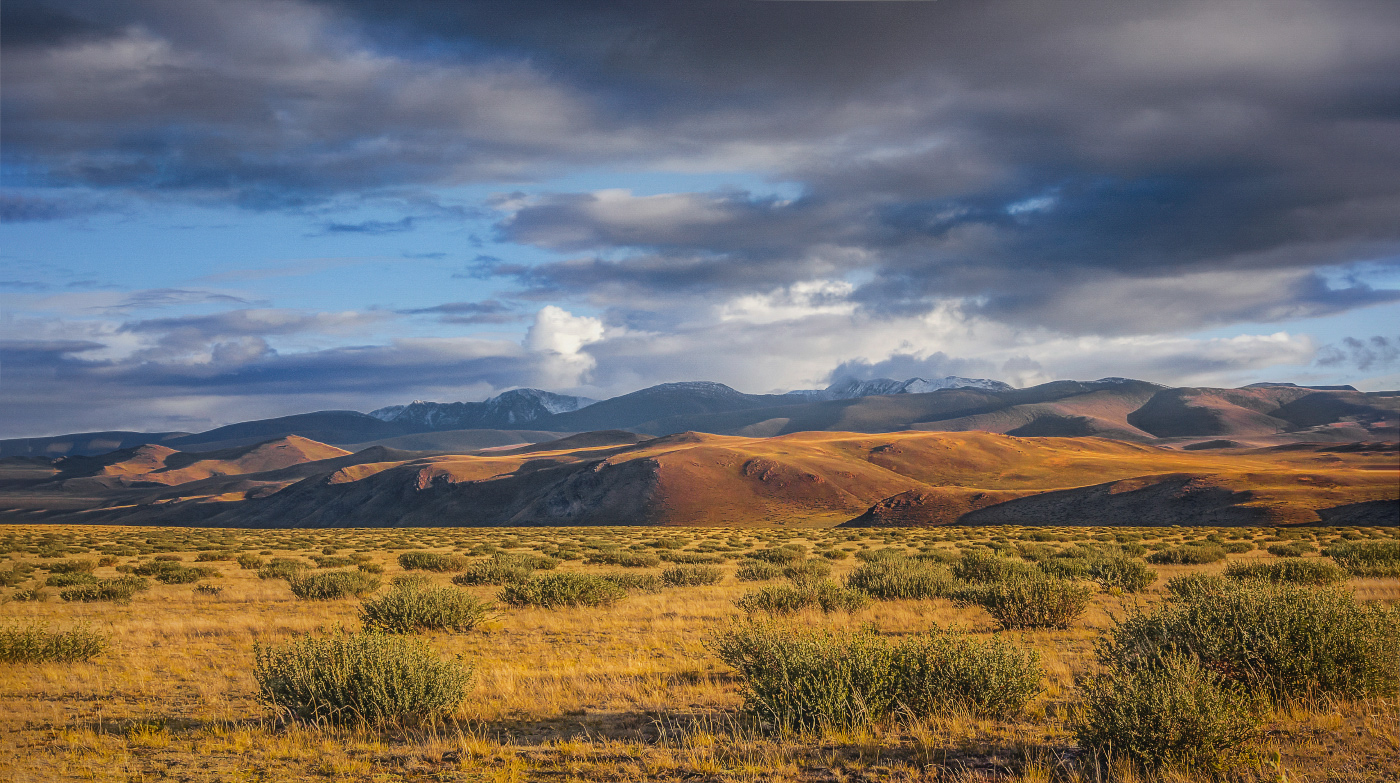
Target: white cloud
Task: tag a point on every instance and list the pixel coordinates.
(560, 337)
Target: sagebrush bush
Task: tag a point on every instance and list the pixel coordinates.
(1128, 574)
(1175, 713)
(692, 575)
(1284, 640)
(17, 573)
(121, 589)
(1187, 555)
(1237, 547)
(432, 561)
(1189, 585)
(491, 572)
(250, 562)
(72, 567)
(283, 568)
(367, 677)
(783, 555)
(692, 558)
(978, 566)
(32, 594)
(1297, 570)
(795, 678)
(173, 573)
(625, 559)
(1291, 549)
(758, 571)
(330, 585)
(1366, 558)
(411, 607)
(69, 579)
(792, 598)
(631, 581)
(807, 570)
(894, 578)
(552, 591)
(35, 643)
(1029, 602)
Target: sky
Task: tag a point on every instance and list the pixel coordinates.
(221, 210)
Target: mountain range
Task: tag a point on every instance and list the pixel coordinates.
(1118, 408)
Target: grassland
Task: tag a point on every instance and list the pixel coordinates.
(620, 692)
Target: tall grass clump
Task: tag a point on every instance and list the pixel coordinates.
(330, 585)
(1029, 602)
(1366, 558)
(432, 561)
(35, 643)
(1287, 641)
(692, 575)
(413, 606)
(1296, 570)
(1175, 713)
(796, 678)
(367, 677)
(120, 590)
(553, 591)
(1187, 555)
(891, 578)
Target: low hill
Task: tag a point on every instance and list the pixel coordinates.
(809, 478)
(82, 444)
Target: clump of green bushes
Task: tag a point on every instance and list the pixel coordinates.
(35, 643)
(330, 585)
(625, 559)
(171, 572)
(892, 578)
(1287, 641)
(758, 571)
(792, 598)
(797, 678)
(415, 606)
(72, 567)
(979, 566)
(432, 561)
(692, 575)
(120, 590)
(556, 590)
(1297, 570)
(1110, 571)
(502, 568)
(1188, 555)
(282, 568)
(1035, 601)
(1366, 558)
(367, 677)
(1175, 713)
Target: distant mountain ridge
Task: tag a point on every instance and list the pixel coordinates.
(1117, 408)
(504, 411)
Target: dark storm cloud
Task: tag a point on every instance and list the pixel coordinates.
(1372, 354)
(1095, 167)
(489, 311)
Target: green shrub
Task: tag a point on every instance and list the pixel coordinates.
(210, 590)
(1029, 602)
(35, 643)
(283, 568)
(784, 555)
(691, 558)
(72, 567)
(808, 570)
(34, 594)
(1187, 555)
(790, 599)
(69, 579)
(121, 589)
(412, 607)
(1297, 570)
(1066, 567)
(367, 677)
(173, 573)
(889, 579)
(884, 553)
(646, 583)
(432, 561)
(1367, 558)
(835, 554)
(15, 574)
(552, 591)
(366, 567)
(625, 559)
(1285, 640)
(1175, 713)
(799, 678)
(250, 562)
(758, 571)
(1125, 573)
(213, 557)
(331, 561)
(1237, 547)
(330, 585)
(978, 566)
(502, 569)
(1190, 585)
(1291, 549)
(940, 670)
(691, 575)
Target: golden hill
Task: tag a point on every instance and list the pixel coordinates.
(809, 478)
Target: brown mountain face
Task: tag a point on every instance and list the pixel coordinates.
(807, 478)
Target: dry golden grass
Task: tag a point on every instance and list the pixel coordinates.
(623, 693)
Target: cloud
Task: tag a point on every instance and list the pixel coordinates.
(1372, 354)
(489, 311)
(559, 337)
(374, 227)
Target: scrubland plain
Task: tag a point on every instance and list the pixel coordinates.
(630, 689)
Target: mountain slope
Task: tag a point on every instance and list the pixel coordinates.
(804, 478)
(505, 411)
